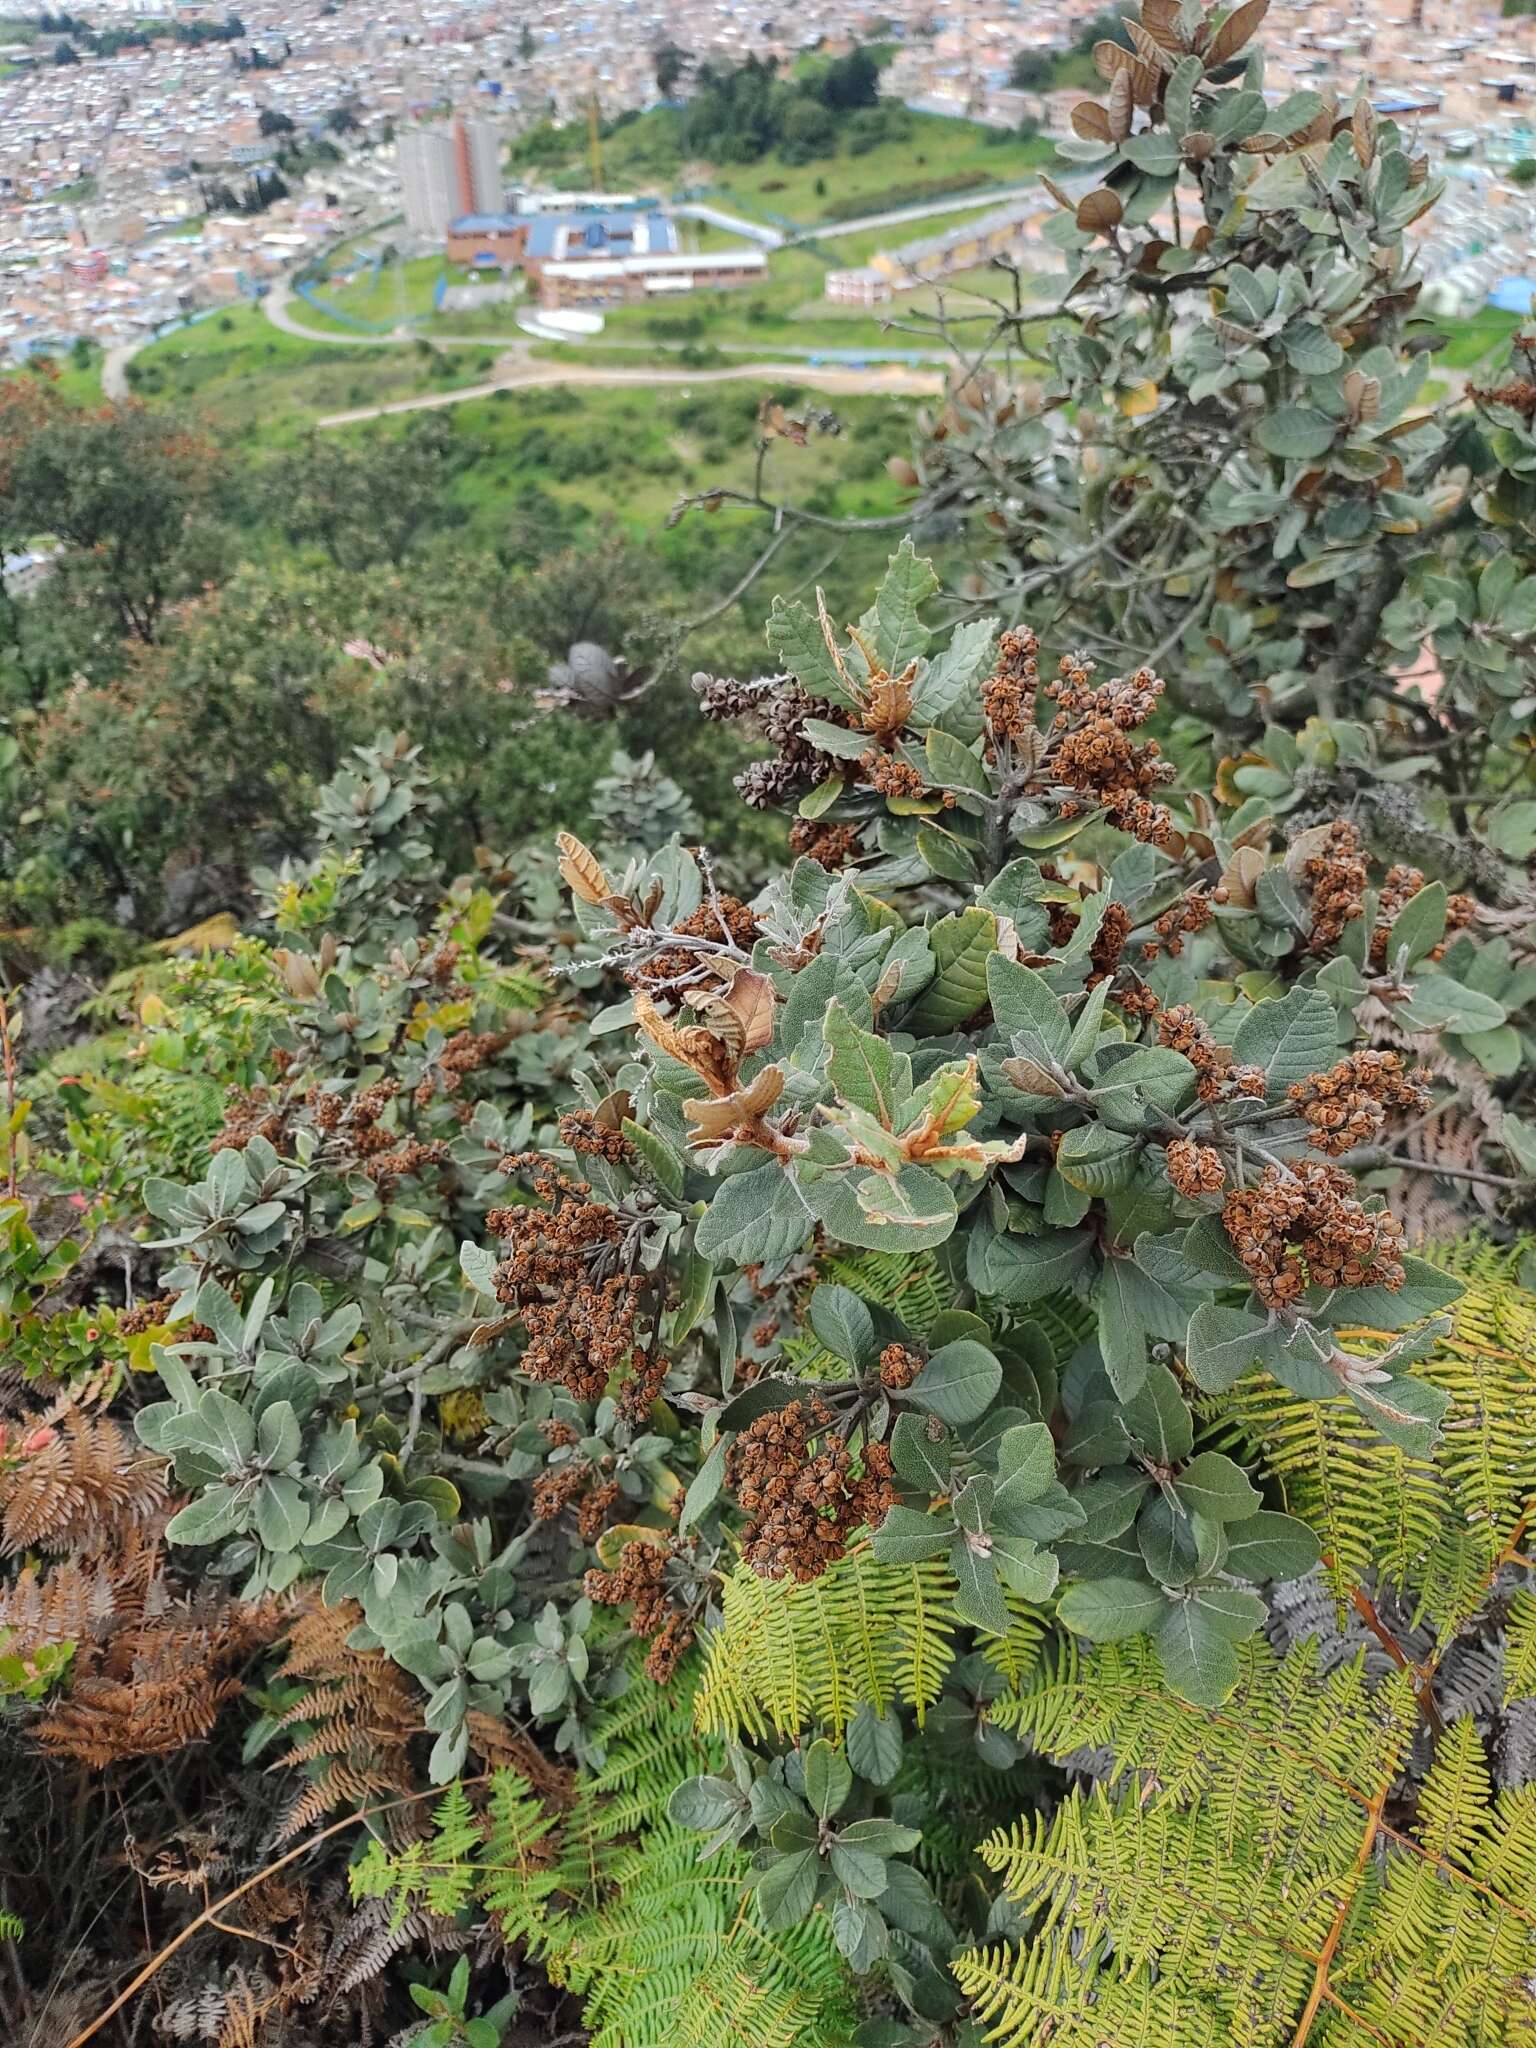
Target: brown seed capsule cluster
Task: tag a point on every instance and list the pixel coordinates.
(584, 1135)
(356, 1120)
(779, 707)
(1304, 1223)
(1108, 944)
(560, 1487)
(721, 919)
(1181, 1030)
(406, 1160)
(899, 1367)
(250, 1113)
(1092, 751)
(639, 1582)
(440, 968)
(465, 1053)
(1191, 914)
(1400, 885)
(643, 1382)
(1352, 1101)
(830, 846)
(563, 1278)
(1335, 877)
(1195, 1169)
(1519, 395)
(596, 1507)
(889, 775)
(133, 1322)
(1011, 693)
(805, 1504)
(580, 1484)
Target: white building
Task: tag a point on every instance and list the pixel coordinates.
(448, 172)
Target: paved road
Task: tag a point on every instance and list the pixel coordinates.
(524, 373)
(114, 369)
(277, 306)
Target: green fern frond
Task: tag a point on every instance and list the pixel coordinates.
(663, 1948)
(501, 1858)
(1015, 1655)
(786, 1655)
(1520, 1649)
(1236, 1881)
(914, 1288)
(1063, 1321)
(1028, 1997)
(511, 988)
(516, 1883)
(12, 1927)
(675, 1959)
(1436, 1526)
(646, 1745)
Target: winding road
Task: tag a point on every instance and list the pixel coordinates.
(520, 370)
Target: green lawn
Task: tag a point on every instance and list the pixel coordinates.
(80, 383)
(243, 375)
(401, 294)
(791, 309)
(632, 451)
(398, 292)
(883, 177)
(646, 153)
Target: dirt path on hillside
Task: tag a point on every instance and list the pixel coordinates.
(524, 373)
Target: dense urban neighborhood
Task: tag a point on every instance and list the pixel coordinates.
(156, 166)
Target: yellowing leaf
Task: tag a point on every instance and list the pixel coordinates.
(214, 935)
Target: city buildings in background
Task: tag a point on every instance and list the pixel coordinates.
(162, 167)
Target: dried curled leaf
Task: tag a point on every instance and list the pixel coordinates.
(1160, 19)
(1121, 106)
(581, 870)
(750, 999)
(1156, 54)
(1099, 211)
(1363, 131)
(704, 1051)
(1236, 31)
(1091, 122)
(1362, 395)
(1240, 877)
(717, 1117)
(890, 702)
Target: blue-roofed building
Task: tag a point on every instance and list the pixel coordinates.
(527, 241)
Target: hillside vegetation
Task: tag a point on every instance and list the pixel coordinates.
(768, 1167)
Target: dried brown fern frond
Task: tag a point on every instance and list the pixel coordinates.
(245, 2010)
(157, 1684)
(359, 1713)
(502, 1748)
(74, 1603)
(79, 1491)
